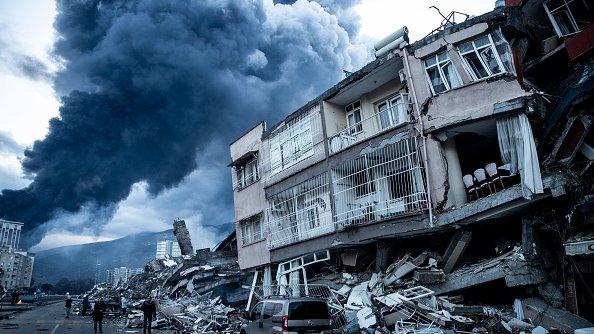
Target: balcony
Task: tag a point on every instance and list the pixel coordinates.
(299, 213)
(379, 185)
(388, 115)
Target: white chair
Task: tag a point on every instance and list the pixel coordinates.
(481, 178)
(470, 187)
(491, 169)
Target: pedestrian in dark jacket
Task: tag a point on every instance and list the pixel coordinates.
(86, 306)
(68, 304)
(98, 310)
(149, 309)
(14, 297)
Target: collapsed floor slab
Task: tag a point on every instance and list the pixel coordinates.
(511, 266)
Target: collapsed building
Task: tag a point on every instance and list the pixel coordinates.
(16, 265)
(462, 160)
(199, 293)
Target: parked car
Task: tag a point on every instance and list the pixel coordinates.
(289, 315)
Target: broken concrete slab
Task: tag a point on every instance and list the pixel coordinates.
(511, 266)
(359, 297)
(455, 249)
(183, 237)
(402, 267)
(366, 317)
(543, 314)
(429, 276)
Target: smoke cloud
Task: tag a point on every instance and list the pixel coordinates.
(19, 63)
(146, 85)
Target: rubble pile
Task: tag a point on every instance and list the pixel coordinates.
(413, 295)
(193, 293)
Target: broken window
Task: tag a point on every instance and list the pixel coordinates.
(380, 184)
(569, 16)
(300, 212)
(503, 50)
(481, 58)
(294, 266)
(247, 173)
(291, 144)
(251, 229)
(441, 74)
(353, 115)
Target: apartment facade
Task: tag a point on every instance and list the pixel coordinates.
(457, 134)
(16, 266)
(10, 234)
(167, 248)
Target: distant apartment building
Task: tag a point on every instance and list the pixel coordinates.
(16, 266)
(477, 133)
(17, 269)
(167, 248)
(10, 234)
(109, 279)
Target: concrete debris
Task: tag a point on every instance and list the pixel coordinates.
(429, 276)
(415, 295)
(543, 314)
(195, 294)
(183, 237)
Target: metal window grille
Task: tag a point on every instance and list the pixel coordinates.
(378, 185)
(251, 229)
(389, 114)
(300, 212)
(291, 143)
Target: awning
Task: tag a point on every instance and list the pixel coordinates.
(244, 158)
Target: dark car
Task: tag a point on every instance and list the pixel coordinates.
(289, 315)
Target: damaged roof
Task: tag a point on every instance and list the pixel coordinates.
(497, 14)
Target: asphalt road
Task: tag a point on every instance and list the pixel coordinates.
(50, 319)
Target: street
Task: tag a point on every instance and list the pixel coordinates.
(50, 318)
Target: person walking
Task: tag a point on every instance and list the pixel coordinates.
(85, 305)
(68, 304)
(14, 297)
(124, 304)
(98, 310)
(149, 309)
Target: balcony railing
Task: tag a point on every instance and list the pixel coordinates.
(379, 185)
(383, 120)
(299, 213)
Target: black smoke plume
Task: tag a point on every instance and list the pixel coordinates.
(147, 84)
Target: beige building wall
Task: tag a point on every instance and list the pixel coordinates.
(318, 151)
(471, 101)
(249, 201)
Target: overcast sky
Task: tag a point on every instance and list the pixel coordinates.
(26, 105)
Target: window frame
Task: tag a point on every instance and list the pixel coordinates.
(401, 98)
(291, 144)
(249, 233)
(351, 110)
(242, 173)
(572, 20)
(477, 51)
(439, 66)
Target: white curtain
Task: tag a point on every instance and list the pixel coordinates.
(517, 147)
